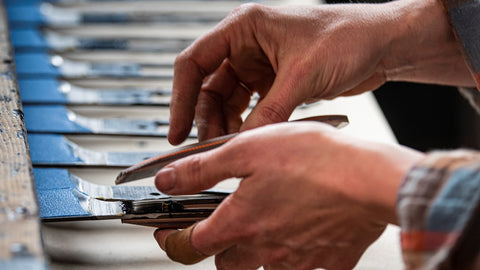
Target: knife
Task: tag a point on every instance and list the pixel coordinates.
(150, 166)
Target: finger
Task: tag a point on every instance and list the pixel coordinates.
(191, 67)
(279, 266)
(228, 224)
(216, 117)
(209, 117)
(180, 245)
(177, 245)
(253, 256)
(202, 171)
(209, 112)
(235, 106)
(161, 236)
(328, 258)
(238, 257)
(231, 224)
(279, 102)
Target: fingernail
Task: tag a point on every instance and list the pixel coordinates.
(166, 179)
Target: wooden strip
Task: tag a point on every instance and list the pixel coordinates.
(20, 244)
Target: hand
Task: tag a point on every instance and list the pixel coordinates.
(310, 196)
(291, 55)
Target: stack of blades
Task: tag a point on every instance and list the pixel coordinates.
(69, 92)
(64, 196)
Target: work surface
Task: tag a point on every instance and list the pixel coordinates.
(110, 244)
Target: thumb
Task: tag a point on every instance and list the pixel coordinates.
(202, 171)
(208, 237)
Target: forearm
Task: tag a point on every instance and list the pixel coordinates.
(423, 46)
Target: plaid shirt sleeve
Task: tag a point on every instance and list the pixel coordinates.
(439, 212)
(439, 201)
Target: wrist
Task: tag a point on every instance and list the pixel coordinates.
(365, 173)
(392, 164)
(422, 47)
(377, 178)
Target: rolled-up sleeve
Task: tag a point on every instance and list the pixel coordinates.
(439, 211)
(439, 201)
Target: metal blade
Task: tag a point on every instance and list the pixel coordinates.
(32, 65)
(29, 39)
(57, 150)
(63, 196)
(123, 12)
(54, 91)
(59, 119)
(60, 178)
(151, 166)
(172, 212)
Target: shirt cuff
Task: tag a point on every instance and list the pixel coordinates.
(435, 205)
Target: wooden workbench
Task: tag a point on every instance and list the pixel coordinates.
(20, 244)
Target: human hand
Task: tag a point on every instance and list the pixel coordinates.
(310, 197)
(275, 52)
(291, 55)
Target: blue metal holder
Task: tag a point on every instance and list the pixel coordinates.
(59, 119)
(52, 149)
(44, 90)
(35, 65)
(57, 150)
(55, 196)
(28, 39)
(52, 119)
(25, 14)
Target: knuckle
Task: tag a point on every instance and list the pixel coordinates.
(210, 96)
(273, 112)
(243, 229)
(189, 173)
(186, 60)
(248, 11)
(252, 8)
(181, 58)
(194, 172)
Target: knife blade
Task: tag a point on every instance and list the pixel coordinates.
(150, 166)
